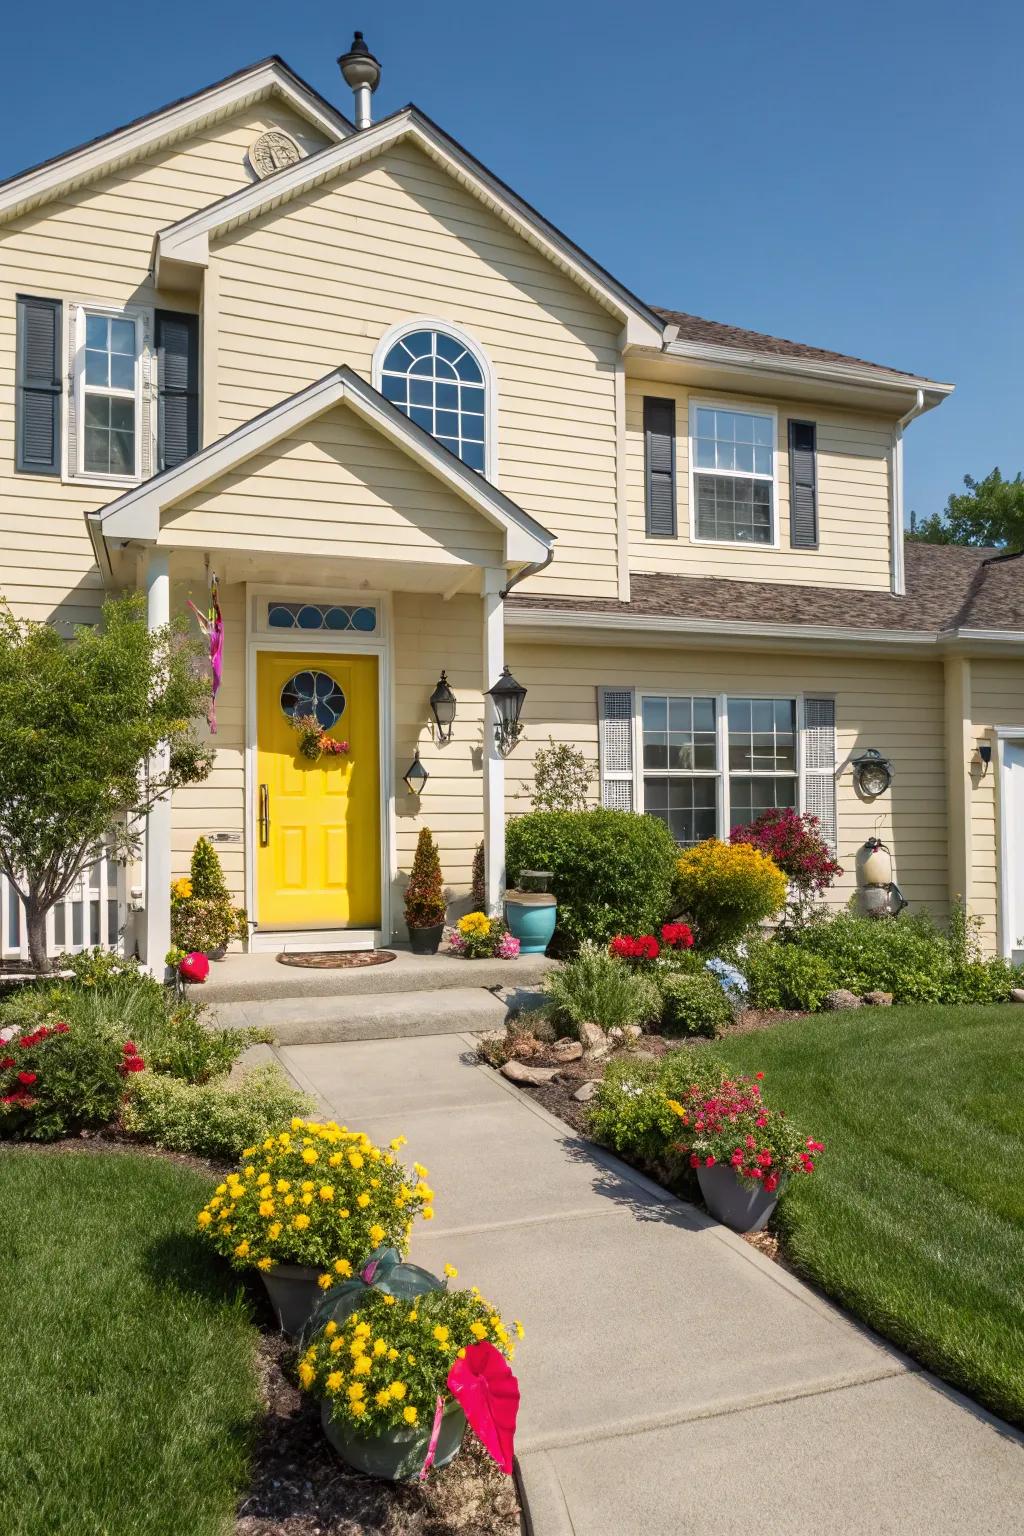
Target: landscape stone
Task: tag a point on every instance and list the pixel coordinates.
(841, 998)
(586, 1091)
(519, 1072)
(595, 1042)
(632, 1031)
(878, 999)
(616, 1034)
(1017, 995)
(566, 1049)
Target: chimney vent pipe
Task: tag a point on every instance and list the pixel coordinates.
(361, 71)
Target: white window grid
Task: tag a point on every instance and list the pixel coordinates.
(140, 424)
(435, 380)
(726, 472)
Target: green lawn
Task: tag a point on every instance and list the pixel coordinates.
(129, 1398)
(914, 1218)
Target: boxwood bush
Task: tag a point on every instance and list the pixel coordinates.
(612, 870)
(693, 1004)
(788, 976)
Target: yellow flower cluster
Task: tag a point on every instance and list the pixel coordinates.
(182, 887)
(385, 1365)
(474, 925)
(318, 1195)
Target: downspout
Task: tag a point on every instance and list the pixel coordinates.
(899, 580)
(528, 570)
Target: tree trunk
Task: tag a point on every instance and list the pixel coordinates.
(35, 923)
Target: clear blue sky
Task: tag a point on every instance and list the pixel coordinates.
(847, 175)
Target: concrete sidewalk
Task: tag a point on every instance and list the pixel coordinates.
(673, 1379)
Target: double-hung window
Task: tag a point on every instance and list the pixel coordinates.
(108, 395)
(680, 764)
(714, 763)
(733, 458)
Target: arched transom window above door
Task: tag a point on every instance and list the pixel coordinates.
(440, 380)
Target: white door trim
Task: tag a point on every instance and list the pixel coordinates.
(258, 637)
(1010, 834)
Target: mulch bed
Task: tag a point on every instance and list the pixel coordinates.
(299, 1486)
(335, 959)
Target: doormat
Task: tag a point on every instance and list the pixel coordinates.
(336, 959)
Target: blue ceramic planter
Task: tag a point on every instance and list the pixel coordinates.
(531, 918)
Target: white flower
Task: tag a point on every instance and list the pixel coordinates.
(9, 1033)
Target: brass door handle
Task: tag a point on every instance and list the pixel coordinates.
(264, 815)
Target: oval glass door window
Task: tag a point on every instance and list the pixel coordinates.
(313, 693)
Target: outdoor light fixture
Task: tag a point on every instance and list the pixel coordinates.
(508, 696)
(361, 73)
(416, 775)
(442, 707)
(873, 773)
(985, 752)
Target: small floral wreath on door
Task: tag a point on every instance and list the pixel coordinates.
(313, 703)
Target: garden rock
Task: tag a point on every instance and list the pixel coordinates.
(632, 1031)
(566, 1049)
(842, 999)
(878, 999)
(519, 1072)
(586, 1091)
(595, 1042)
(616, 1034)
(1017, 995)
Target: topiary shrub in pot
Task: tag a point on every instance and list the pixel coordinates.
(611, 870)
(726, 891)
(424, 897)
(204, 919)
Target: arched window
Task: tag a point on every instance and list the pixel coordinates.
(438, 382)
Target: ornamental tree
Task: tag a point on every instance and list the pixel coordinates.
(80, 724)
(794, 842)
(424, 895)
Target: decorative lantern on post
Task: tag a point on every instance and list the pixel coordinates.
(508, 696)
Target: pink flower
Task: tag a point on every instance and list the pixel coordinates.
(709, 1162)
(771, 1183)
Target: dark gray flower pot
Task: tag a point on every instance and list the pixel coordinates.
(294, 1291)
(732, 1203)
(396, 1454)
(426, 941)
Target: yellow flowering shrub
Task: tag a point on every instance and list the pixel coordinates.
(318, 1195)
(474, 924)
(726, 889)
(385, 1365)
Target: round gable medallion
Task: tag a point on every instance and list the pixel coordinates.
(271, 152)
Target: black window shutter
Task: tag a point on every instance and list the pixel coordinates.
(39, 385)
(803, 485)
(660, 467)
(177, 344)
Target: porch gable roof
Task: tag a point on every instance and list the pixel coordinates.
(136, 515)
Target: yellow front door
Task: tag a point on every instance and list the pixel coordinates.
(317, 823)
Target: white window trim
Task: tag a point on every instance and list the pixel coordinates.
(721, 773)
(437, 323)
(76, 311)
(739, 409)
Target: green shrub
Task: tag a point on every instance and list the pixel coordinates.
(725, 891)
(612, 870)
(693, 1004)
(630, 1111)
(217, 1120)
(906, 956)
(595, 988)
(787, 976)
(56, 1079)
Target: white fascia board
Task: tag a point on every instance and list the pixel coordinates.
(828, 372)
(136, 515)
(665, 628)
(129, 143)
(643, 327)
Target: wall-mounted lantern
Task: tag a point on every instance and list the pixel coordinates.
(442, 707)
(873, 773)
(508, 696)
(985, 753)
(416, 775)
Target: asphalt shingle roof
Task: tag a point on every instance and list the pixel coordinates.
(714, 333)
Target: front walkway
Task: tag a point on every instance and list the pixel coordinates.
(672, 1378)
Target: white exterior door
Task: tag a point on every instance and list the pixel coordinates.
(1012, 882)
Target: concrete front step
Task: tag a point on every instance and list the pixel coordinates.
(385, 1016)
(260, 977)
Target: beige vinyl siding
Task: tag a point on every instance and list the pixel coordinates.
(997, 698)
(218, 804)
(96, 244)
(853, 498)
(429, 634)
(896, 706)
(335, 487)
(319, 281)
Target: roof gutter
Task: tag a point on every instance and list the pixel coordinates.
(528, 570)
(897, 564)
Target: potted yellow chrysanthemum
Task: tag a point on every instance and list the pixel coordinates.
(308, 1206)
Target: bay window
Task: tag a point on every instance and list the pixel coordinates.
(733, 457)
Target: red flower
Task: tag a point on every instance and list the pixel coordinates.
(8, 1061)
(61, 1028)
(677, 935)
(130, 1048)
(694, 1160)
(26, 1078)
(132, 1064)
(771, 1183)
(815, 1146)
(622, 947)
(709, 1162)
(759, 1076)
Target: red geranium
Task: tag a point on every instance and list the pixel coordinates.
(131, 1060)
(26, 1079)
(626, 947)
(677, 935)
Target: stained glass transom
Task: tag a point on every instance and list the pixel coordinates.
(330, 616)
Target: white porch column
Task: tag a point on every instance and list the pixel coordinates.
(494, 582)
(157, 930)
